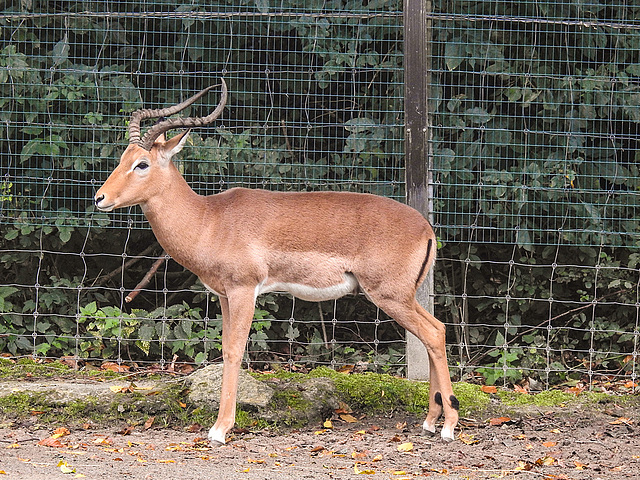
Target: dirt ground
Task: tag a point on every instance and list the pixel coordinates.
(536, 445)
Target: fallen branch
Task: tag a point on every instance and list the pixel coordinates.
(146, 279)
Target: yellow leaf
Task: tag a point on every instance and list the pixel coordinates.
(327, 424)
(377, 458)
(545, 461)
(246, 470)
(65, 468)
(398, 472)
(555, 430)
(250, 460)
(365, 472)
(119, 389)
(467, 439)
(165, 461)
(405, 447)
(348, 418)
(2, 472)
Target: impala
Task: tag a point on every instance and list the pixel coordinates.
(314, 245)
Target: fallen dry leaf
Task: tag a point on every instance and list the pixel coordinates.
(51, 442)
(61, 432)
(405, 447)
(499, 421)
(327, 424)
(549, 444)
(348, 418)
(365, 471)
(126, 430)
(65, 468)
(194, 428)
(489, 389)
(121, 389)
(519, 389)
(524, 466)
(545, 461)
(115, 367)
(580, 466)
(148, 423)
(467, 439)
(359, 455)
(622, 421)
(343, 408)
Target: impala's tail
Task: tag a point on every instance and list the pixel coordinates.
(428, 259)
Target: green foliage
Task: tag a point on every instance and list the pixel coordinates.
(67, 85)
(535, 140)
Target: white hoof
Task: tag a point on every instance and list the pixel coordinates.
(447, 434)
(428, 428)
(216, 437)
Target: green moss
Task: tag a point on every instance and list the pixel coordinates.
(471, 397)
(548, 398)
(381, 392)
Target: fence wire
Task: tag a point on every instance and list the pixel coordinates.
(535, 138)
(534, 111)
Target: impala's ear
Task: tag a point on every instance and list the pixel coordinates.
(171, 147)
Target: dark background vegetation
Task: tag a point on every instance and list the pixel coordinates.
(535, 113)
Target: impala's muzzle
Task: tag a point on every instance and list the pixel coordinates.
(101, 204)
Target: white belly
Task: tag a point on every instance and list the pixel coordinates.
(310, 293)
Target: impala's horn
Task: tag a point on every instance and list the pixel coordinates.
(159, 128)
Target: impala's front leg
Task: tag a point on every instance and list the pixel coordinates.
(237, 315)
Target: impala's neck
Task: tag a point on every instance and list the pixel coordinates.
(177, 218)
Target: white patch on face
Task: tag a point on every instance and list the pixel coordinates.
(141, 166)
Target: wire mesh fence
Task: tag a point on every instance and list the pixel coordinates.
(315, 103)
(534, 121)
(535, 135)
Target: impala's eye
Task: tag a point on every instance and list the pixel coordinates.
(141, 166)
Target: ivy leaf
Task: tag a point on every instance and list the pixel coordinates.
(477, 115)
(61, 51)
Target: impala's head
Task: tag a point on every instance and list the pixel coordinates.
(147, 161)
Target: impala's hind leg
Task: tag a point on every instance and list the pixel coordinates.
(431, 332)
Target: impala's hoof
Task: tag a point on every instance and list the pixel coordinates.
(447, 434)
(428, 429)
(216, 437)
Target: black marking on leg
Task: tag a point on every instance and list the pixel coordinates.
(438, 398)
(455, 403)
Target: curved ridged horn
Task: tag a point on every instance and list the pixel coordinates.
(161, 127)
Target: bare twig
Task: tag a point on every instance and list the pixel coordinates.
(146, 279)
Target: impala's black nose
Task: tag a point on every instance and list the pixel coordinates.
(99, 199)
